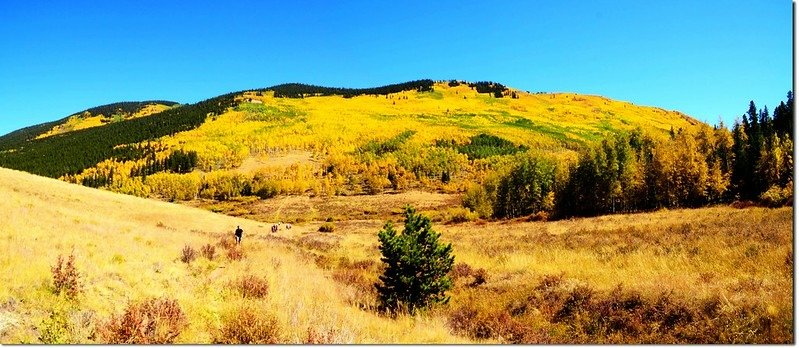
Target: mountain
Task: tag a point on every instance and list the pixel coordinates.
(403, 135)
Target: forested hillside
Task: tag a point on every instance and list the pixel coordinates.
(513, 153)
(72, 152)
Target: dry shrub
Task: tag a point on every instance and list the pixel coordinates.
(320, 336)
(252, 286)
(226, 242)
(539, 216)
(327, 227)
(622, 313)
(494, 325)
(348, 276)
(188, 254)
(462, 271)
(66, 278)
(577, 302)
(235, 254)
(312, 242)
(743, 204)
(480, 277)
(248, 325)
(364, 294)
(326, 335)
(626, 317)
(153, 321)
(208, 251)
(364, 264)
(670, 313)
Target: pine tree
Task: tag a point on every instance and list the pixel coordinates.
(417, 265)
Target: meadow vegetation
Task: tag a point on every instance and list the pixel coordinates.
(718, 274)
(558, 218)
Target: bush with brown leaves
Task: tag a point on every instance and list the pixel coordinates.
(252, 286)
(208, 251)
(188, 254)
(66, 279)
(153, 321)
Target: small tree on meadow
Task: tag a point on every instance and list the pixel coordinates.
(417, 265)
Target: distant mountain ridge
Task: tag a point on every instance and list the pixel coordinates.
(582, 118)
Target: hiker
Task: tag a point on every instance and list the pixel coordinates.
(274, 228)
(239, 232)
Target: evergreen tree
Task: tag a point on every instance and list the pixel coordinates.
(417, 265)
(742, 169)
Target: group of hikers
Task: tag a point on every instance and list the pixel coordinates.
(239, 232)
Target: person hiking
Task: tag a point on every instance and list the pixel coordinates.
(239, 232)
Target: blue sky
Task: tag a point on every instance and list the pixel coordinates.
(705, 58)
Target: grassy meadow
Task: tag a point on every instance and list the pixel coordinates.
(711, 275)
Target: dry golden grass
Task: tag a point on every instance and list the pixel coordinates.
(736, 262)
(741, 258)
(307, 209)
(127, 249)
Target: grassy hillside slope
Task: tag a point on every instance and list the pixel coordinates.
(127, 249)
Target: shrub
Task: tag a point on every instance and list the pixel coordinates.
(153, 321)
(320, 336)
(459, 215)
(327, 227)
(208, 251)
(267, 189)
(417, 265)
(577, 301)
(56, 328)
(777, 196)
(480, 277)
(66, 279)
(226, 242)
(478, 200)
(235, 254)
(539, 216)
(252, 286)
(188, 255)
(248, 325)
(497, 325)
(461, 270)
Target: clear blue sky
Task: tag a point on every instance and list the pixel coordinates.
(705, 58)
